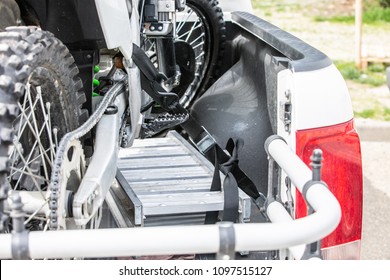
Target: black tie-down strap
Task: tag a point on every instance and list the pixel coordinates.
(230, 185)
(198, 134)
(228, 164)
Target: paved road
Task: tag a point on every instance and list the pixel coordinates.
(376, 171)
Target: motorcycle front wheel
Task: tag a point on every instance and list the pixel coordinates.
(199, 46)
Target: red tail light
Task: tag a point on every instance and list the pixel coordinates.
(342, 171)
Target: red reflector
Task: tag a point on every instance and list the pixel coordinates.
(342, 172)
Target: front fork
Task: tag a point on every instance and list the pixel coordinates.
(166, 56)
(159, 23)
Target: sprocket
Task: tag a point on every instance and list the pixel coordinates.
(72, 171)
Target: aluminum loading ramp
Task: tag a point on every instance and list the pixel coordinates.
(166, 181)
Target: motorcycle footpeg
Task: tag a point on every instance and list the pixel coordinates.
(163, 122)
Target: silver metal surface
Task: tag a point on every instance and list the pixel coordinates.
(206, 143)
(177, 203)
(166, 6)
(172, 180)
(128, 200)
(101, 171)
(77, 134)
(121, 220)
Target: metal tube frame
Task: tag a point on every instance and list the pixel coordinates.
(284, 233)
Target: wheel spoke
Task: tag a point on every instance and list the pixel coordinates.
(196, 25)
(198, 45)
(37, 157)
(29, 120)
(200, 55)
(22, 125)
(34, 215)
(39, 96)
(39, 218)
(29, 160)
(183, 22)
(47, 225)
(55, 133)
(200, 36)
(33, 131)
(26, 105)
(189, 32)
(26, 173)
(30, 172)
(46, 124)
(23, 109)
(49, 133)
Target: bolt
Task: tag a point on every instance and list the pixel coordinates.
(316, 164)
(111, 110)
(316, 157)
(17, 213)
(287, 94)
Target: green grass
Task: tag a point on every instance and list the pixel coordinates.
(376, 15)
(348, 70)
(386, 113)
(366, 114)
(372, 16)
(279, 6)
(379, 113)
(377, 67)
(373, 76)
(335, 19)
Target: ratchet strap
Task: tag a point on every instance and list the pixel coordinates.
(226, 162)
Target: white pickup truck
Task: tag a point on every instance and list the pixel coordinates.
(136, 179)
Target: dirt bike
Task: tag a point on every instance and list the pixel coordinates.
(83, 81)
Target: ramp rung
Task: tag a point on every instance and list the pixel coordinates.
(176, 203)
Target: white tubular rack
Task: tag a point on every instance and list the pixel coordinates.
(196, 239)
